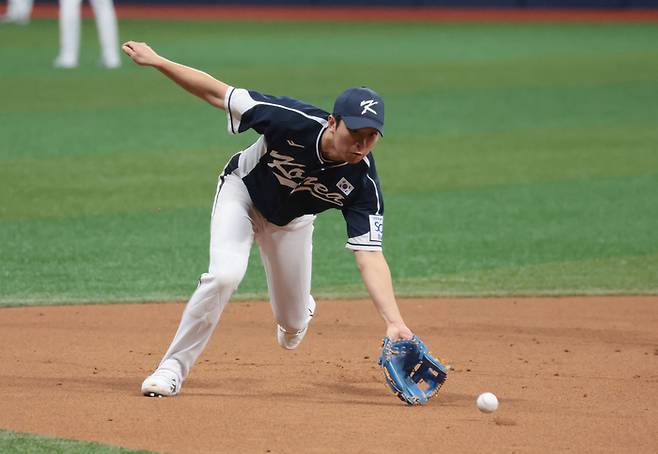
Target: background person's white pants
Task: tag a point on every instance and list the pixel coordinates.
(287, 256)
(69, 32)
(18, 11)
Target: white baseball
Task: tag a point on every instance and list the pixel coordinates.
(487, 402)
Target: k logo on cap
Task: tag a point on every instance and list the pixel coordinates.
(367, 106)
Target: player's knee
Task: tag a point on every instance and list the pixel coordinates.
(294, 316)
(291, 324)
(286, 327)
(223, 279)
(212, 293)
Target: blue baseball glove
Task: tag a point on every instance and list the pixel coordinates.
(411, 371)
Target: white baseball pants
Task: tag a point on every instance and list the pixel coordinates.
(19, 10)
(69, 32)
(286, 254)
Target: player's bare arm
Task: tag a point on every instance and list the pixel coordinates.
(194, 81)
(377, 279)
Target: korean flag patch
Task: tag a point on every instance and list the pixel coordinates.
(344, 186)
(376, 227)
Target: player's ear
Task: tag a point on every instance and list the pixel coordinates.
(332, 122)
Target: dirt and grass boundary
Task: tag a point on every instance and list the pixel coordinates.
(347, 14)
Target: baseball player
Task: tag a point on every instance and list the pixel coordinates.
(305, 161)
(18, 12)
(69, 33)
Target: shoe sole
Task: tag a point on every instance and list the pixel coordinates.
(156, 394)
(151, 392)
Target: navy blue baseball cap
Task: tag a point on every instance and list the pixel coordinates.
(361, 107)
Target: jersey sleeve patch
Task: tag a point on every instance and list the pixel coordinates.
(376, 227)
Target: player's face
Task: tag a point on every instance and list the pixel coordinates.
(352, 145)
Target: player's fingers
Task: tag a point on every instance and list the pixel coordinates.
(128, 50)
(406, 333)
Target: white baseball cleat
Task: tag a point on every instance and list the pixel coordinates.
(290, 340)
(18, 20)
(110, 63)
(65, 63)
(161, 383)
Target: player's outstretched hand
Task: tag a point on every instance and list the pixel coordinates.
(141, 53)
(396, 331)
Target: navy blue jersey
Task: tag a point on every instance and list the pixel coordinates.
(286, 175)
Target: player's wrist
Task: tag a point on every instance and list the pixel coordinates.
(398, 330)
(159, 62)
(395, 323)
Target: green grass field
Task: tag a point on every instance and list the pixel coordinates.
(518, 159)
(21, 443)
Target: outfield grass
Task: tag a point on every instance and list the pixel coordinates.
(518, 159)
(21, 443)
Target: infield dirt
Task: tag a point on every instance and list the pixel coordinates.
(572, 375)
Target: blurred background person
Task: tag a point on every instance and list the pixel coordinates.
(69, 33)
(18, 12)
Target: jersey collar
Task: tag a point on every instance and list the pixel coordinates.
(318, 145)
